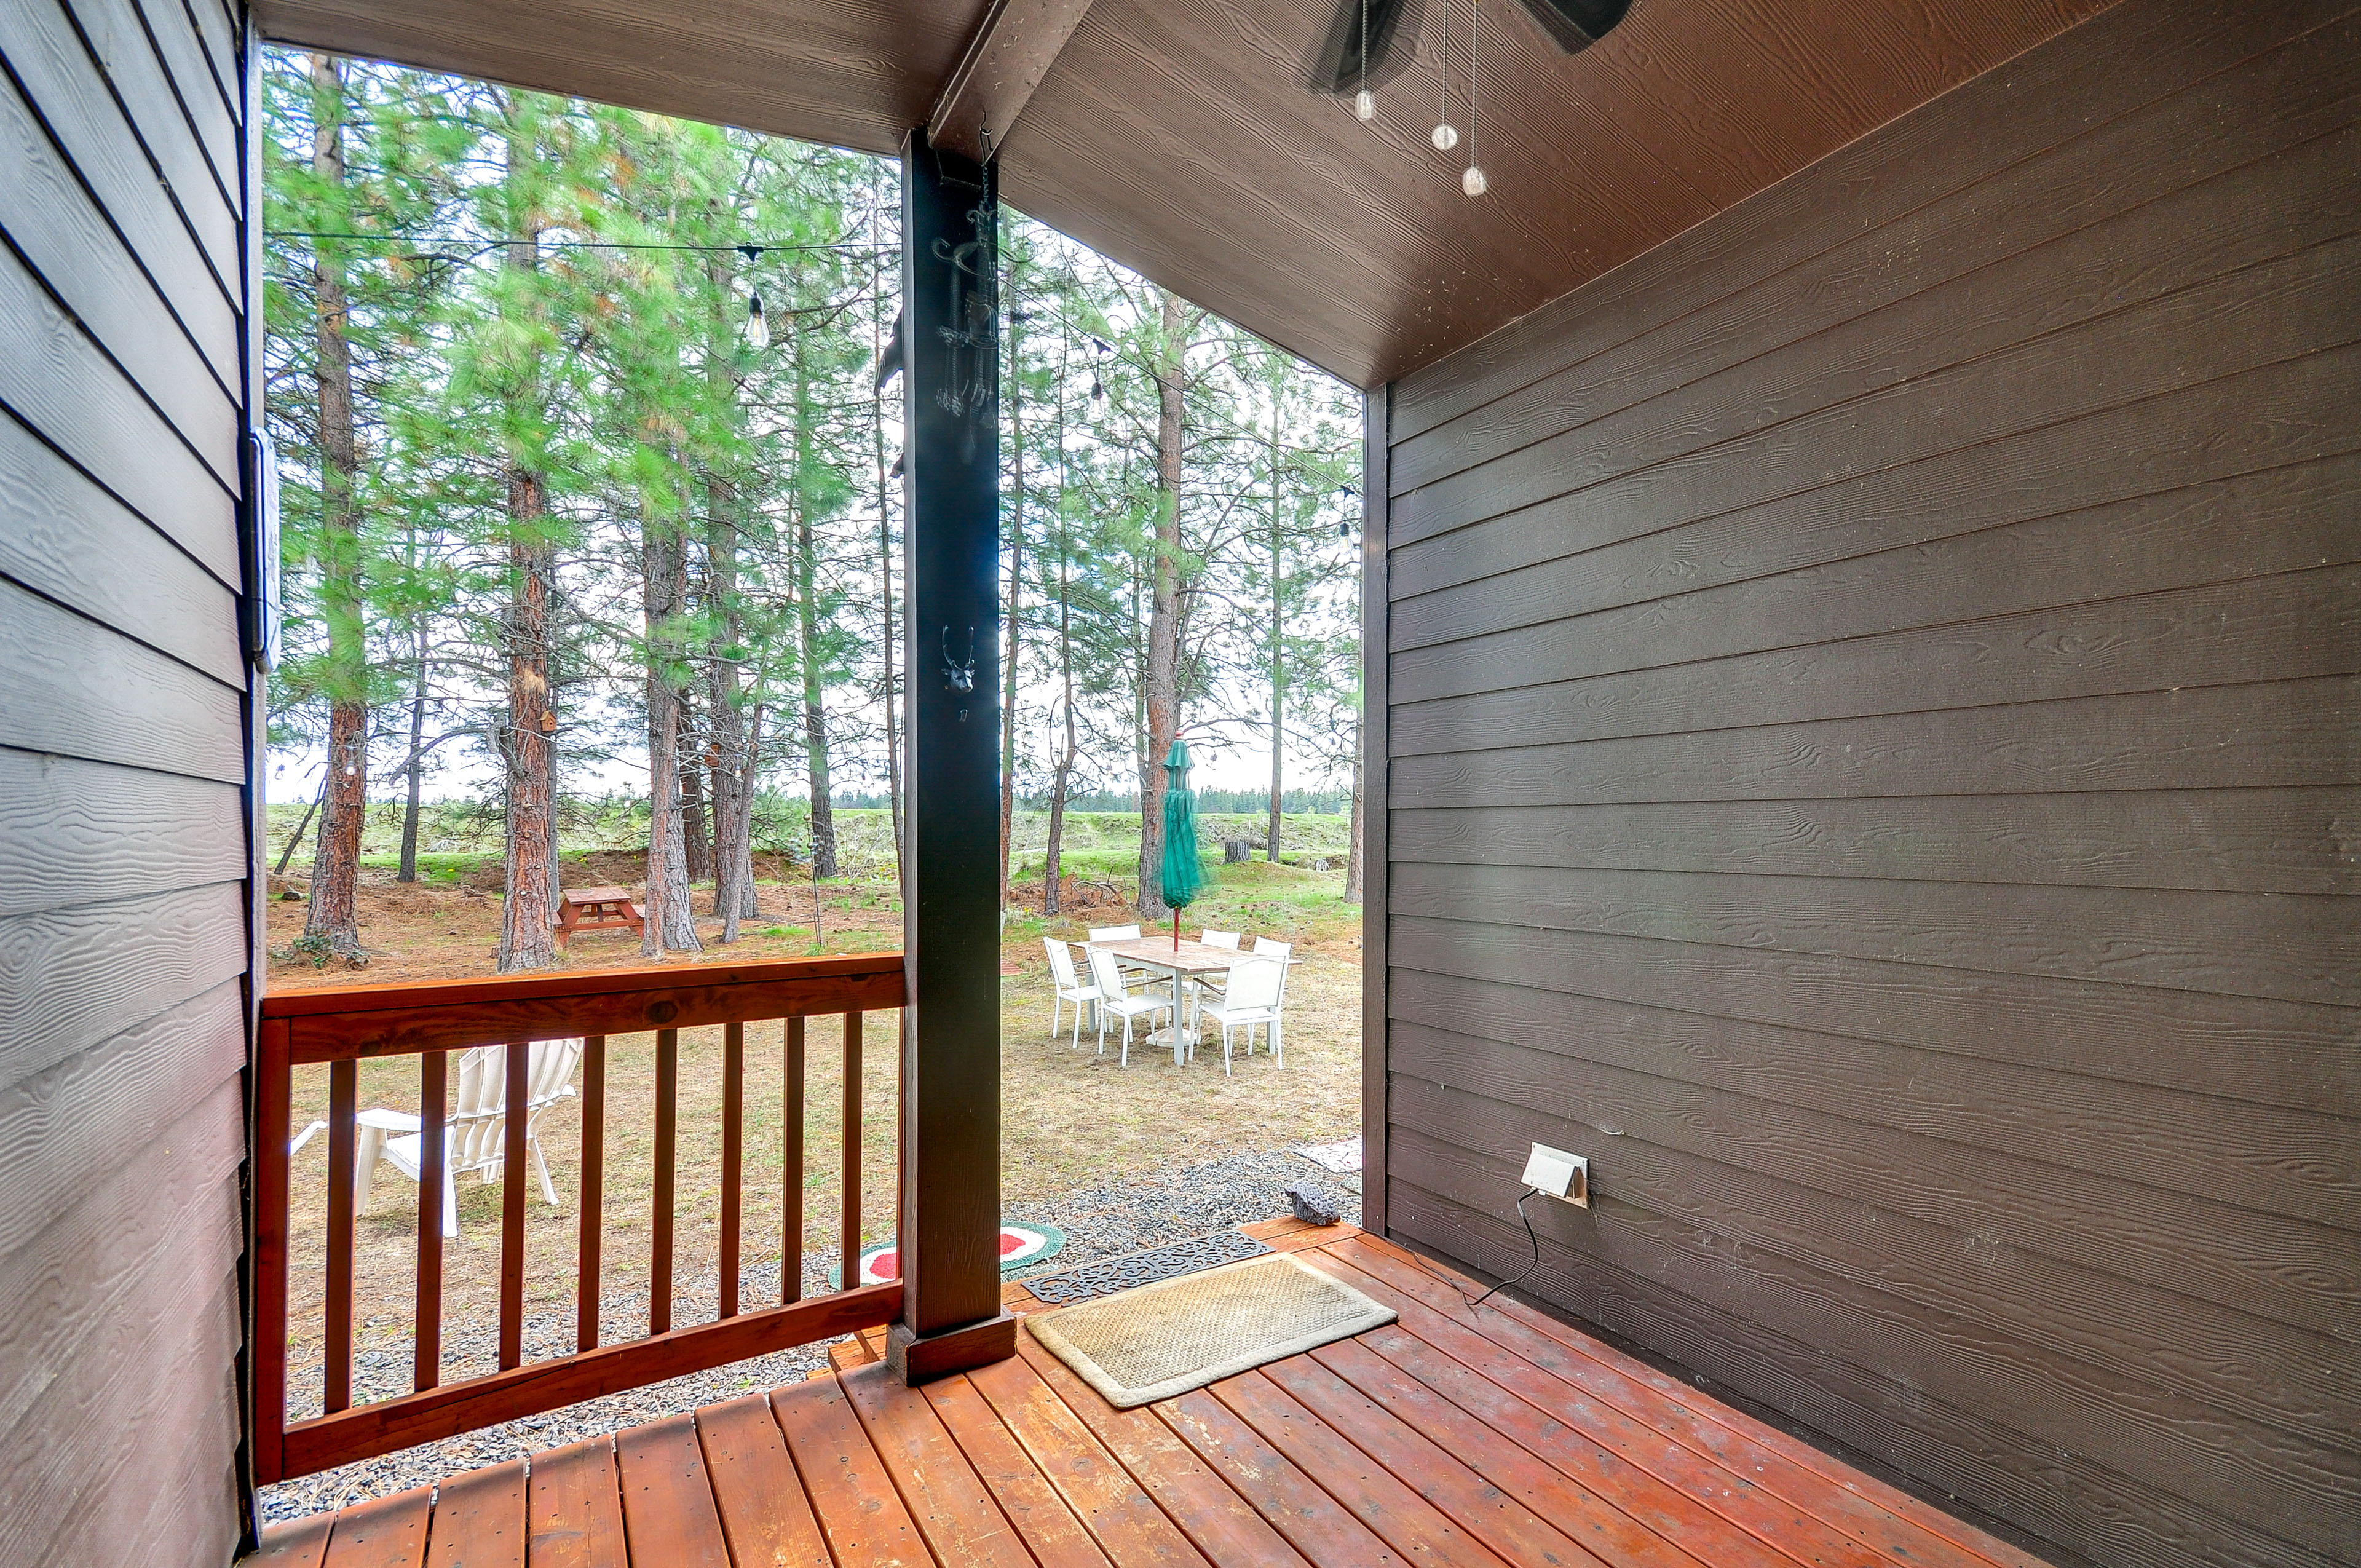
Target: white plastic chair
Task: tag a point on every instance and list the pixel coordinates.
(1070, 988)
(1251, 1000)
(1226, 939)
(1113, 998)
(475, 1135)
(1271, 948)
(1118, 934)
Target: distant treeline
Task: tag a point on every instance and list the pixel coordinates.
(1296, 802)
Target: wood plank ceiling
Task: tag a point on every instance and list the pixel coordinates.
(1177, 135)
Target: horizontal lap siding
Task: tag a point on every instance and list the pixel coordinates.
(1873, 698)
(124, 771)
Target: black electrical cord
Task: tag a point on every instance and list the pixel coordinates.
(1531, 1269)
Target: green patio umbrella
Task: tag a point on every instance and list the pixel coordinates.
(1182, 875)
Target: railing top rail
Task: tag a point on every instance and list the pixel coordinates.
(335, 1022)
(369, 997)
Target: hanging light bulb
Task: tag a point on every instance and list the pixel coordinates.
(1364, 102)
(758, 331)
(1472, 180)
(1445, 137)
(1097, 390)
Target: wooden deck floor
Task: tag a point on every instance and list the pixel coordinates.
(1479, 1438)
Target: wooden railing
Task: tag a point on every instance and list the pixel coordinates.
(342, 1026)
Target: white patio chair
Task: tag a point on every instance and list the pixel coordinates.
(1216, 984)
(1070, 988)
(1113, 998)
(1271, 948)
(1119, 934)
(1251, 1000)
(475, 1135)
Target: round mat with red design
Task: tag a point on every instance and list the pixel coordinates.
(1021, 1242)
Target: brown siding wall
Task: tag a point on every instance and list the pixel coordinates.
(1874, 707)
(123, 779)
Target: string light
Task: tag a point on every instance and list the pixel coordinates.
(758, 327)
(1446, 135)
(1472, 180)
(1364, 102)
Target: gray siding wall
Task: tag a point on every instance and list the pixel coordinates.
(1870, 696)
(123, 779)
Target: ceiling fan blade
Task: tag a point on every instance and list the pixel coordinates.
(1338, 66)
(1575, 25)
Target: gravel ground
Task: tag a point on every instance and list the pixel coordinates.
(1099, 1222)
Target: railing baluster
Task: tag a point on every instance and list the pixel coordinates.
(516, 1057)
(849, 1272)
(426, 1359)
(659, 1239)
(733, 1116)
(594, 1171)
(791, 1178)
(344, 1083)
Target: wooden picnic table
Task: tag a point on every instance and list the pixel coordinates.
(595, 908)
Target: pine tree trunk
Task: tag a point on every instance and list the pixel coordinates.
(885, 593)
(823, 813)
(1353, 869)
(733, 887)
(333, 917)
(529, 742)
(1008, 661)
(670, 923)
(1162, 684)
(696, 827)
(1278, 652)
(1053, 860)
(416, 767)
(526, 938)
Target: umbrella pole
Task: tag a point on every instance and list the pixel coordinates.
(1176, 930)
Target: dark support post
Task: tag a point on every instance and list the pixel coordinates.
(951, 1316)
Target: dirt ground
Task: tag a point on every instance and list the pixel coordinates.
(1070, 1117)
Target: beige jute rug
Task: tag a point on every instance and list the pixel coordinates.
(1160, 1340)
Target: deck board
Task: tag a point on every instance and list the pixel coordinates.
(574, 1507)
(858, 1510)
(479, 1520)
(1110, 1502)
(667, 1497)
(385, 1532)
(765, 1516)
(1455, 1438)
(1043, 1517)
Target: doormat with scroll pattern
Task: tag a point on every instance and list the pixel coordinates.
(1133, 1269)
(1160, 1340)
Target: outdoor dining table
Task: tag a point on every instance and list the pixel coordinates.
(1184, 963)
